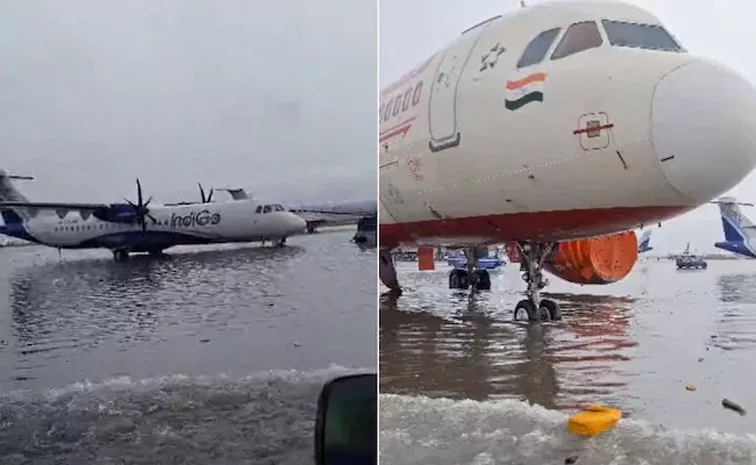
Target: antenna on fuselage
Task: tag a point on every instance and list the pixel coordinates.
(522, 3)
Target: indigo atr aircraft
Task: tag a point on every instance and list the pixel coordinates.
(141, 227)
(561, 127)
(738, 229)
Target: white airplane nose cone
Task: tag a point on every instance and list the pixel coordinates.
(704, 129)
(297, 223)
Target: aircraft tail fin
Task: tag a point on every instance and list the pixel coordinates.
(644, 241)
(9, 193)
(737, 227)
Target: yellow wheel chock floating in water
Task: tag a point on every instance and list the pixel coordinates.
(593, 420)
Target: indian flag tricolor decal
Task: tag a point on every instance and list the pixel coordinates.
(525, 90)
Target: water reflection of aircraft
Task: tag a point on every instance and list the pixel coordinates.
(469, 353)
(465, 354)
(130, 227)
(65, 300)
(460, 169)
(736, 322)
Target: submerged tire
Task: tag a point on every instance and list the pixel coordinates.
(458, 279)
(526, 306)
(484, 280)
(552, 308)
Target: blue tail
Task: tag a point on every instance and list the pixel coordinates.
(14, 219)
(644, 242)
(738, 229)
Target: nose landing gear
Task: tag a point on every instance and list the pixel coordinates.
(532, 256)
(120, 255)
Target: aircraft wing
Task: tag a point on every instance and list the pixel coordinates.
(54, 205)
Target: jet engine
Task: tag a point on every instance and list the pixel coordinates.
(599, 260)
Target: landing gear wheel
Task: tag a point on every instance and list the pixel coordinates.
(550, 310)
(532, 258)
(484, 280)
(458, 279)
(528, 308)
(281, 242)
(120, 255)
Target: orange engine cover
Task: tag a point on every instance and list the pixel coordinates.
(601, 260)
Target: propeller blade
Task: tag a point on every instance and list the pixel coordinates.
(139, 193)
(210, 195)
(202, 192)
(154, 221)
(147, 203)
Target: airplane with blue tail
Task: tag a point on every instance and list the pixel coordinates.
(644, 242)
(142, 227)
(739, 231)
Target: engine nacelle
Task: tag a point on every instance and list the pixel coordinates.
(117, 213)
(600, 260)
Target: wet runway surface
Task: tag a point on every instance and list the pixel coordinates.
(213, 355)
(458, 369)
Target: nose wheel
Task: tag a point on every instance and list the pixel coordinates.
(120, 255)
(532, 257)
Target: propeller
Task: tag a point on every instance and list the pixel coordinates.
(141, 208)
(209, 197)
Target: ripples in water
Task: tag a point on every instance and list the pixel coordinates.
(266, 418)
(633, 344)
(230, 309)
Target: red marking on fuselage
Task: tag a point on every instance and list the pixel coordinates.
(397, 129)
(409, 76)
(595, 128)
(542, 226)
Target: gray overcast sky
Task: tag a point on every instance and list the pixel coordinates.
(411, 30)
(278, 97)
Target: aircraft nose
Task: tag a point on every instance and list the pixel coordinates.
(296, 223)
(704, 129)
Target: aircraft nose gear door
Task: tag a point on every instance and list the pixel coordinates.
(442, 106)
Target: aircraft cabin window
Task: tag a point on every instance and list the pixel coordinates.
(537, 48)
(645, 36)
(578, 38)
(267, 209)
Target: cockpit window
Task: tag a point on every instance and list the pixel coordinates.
(279, 208)
(579, 37)
(258, 209)
(537, 48)
(267, 209)
(634, 35)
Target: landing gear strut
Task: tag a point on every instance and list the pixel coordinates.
(120, 255)
(532, 256)
(280, 242)
(476, 279)
(387, 271)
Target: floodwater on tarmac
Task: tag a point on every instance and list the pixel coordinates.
(212, 355)
(455, 369)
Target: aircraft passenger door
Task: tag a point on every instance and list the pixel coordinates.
(442, 106)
